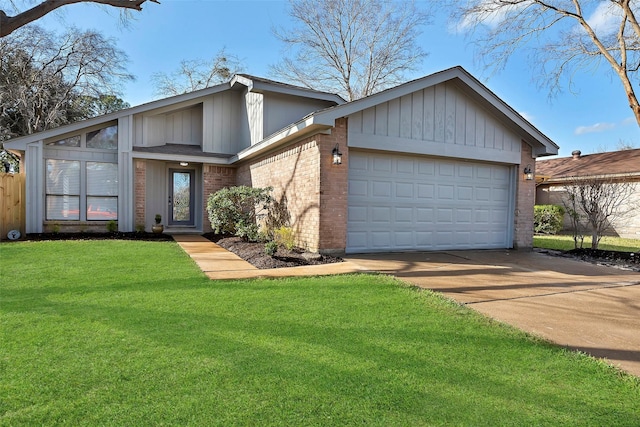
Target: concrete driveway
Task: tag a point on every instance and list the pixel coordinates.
(592, 308)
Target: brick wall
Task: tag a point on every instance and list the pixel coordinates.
(214, 178)
(525, 198)
(294, 174)
(140, 192)
(334, 184)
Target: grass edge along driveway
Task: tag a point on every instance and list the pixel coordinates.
(132, 333)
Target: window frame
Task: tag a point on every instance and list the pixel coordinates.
(52, 143)
(83, 196)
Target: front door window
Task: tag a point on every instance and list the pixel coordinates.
(181, 197)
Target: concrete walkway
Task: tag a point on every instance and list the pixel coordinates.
(583, 306)
(218, 263)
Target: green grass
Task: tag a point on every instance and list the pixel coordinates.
(132, 333)
(565, 243)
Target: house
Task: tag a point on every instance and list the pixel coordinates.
(553, 174)
(436, 163)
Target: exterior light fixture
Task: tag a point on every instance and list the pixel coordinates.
(337, 155)
(528, 173)
(184, 164)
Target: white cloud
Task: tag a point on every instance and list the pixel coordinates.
(528, 117)
(598, 127)
(605, 19)
(495, 14)
(629, 121)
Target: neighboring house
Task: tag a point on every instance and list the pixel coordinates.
(432, 164)
(553, 174)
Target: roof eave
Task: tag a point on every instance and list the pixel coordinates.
(296, 131)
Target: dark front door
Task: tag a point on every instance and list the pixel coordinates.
(181, 197)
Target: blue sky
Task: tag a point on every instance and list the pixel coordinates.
(594, 119)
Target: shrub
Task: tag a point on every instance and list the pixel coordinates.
(270, 248)
(284, 236)
(548, 219)
(237, 210)
(112, 226)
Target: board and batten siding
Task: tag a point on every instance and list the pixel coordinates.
(221, 124)
(440, 120)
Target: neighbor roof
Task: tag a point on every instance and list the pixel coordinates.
(610, 163)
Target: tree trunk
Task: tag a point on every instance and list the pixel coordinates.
(595, 240)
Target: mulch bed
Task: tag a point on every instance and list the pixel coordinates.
(628, 260)
(255, 254)
(134, 235)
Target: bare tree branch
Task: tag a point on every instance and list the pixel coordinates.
(197, 74)
(597, 203)
(565, 36)
(9, 24)
(351, 47)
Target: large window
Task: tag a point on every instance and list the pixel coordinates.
(63, 190)
(78, 190)
(102, 191)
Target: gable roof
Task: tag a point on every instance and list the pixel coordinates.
(325, 119)
(541, 144)
(600, 164)
(237, 82)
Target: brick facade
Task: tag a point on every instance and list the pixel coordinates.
(294, 174)
(314, 189)
(140, 192)
(525, 191)
(334, 185)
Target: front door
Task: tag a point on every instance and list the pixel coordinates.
(181, 197)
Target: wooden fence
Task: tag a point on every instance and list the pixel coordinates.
(12, 199)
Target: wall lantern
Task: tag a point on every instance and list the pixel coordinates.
(337, 155)
(184, 164)
(528, 173)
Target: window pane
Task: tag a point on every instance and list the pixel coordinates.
(102, 208)
(105, 138)
(102, 179)
(63, 207)
(72, 141)
(63, 177)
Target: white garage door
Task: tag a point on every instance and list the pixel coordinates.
(423, 203)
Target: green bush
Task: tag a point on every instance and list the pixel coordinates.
(237, 210)
(547, 219)
(270, 248)
(284, 236)
(112, 226)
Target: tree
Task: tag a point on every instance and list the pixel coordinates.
(92, 106)
(351, 47)
(43, 76)
(48, 80)
(8, 24)
(566, 37)
(197, 74)
(597, 202)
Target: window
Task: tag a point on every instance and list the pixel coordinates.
(63, 190)
(81, 190)
(105, 138)
(72, 141)
(102, 191)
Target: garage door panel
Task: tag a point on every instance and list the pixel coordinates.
(412, 203)
(358, 188)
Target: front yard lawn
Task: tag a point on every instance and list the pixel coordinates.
(132, 333)
(565, 243)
